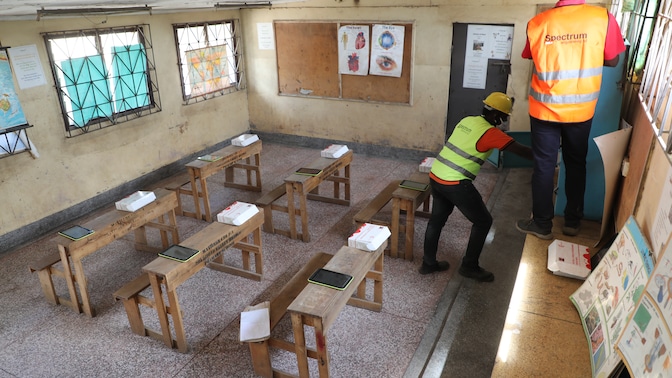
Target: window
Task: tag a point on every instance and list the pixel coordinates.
(210, 59)
(656, 89)
(103, 76)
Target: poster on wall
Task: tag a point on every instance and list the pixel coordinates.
(484, 42)
(353, 50)
(27, 65)
(207, 69)
(11, 113)
(662, 224)
(387, 50)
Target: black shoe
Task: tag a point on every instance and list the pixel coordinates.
(529, 226)
(478, 273)
(440, 266)
(571, 230)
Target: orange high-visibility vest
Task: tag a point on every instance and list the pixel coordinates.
(567, 45)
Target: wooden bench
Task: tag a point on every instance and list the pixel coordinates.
(260, 350)
(368, 213)
(45, 268)
(266, 202)
(176, 184)
(165, 275)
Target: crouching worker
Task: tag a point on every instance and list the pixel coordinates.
(451, 179)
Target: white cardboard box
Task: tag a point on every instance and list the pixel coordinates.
(135, 201)
(244, 140)
(334, 151)
(426, 164)
(569, 259)
(237, 213)
(369, 237)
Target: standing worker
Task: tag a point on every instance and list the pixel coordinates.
(451, 179)
(569, 44)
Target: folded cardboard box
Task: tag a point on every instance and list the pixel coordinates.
(135, 201)
(334, 151)
(244, 140)
(426, 164)
(369, 237)
(237, 213)
(569, 259)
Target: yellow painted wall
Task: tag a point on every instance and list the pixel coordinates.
(71, 170)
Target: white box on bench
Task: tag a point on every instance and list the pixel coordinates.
(237, 213)
(135, 201)
(244, 140)
(426, 164)
(334, 151)
(369, 237)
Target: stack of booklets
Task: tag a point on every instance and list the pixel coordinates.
(334, 151)
(237, 213)
(569, 259)
(255, 323)
(369, 237)
(135, 201)
(426, 164)
(244, 140)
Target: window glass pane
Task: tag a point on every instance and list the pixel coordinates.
(130, 82)
(87, 88)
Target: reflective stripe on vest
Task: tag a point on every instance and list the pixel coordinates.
(568, 57)
(459, 159)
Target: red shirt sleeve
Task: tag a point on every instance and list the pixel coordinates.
(527, 53)
(614, 44)
(493, 138)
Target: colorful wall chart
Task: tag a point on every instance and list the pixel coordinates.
(353, 50)
(387, 50)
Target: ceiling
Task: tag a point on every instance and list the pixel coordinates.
(22, 9)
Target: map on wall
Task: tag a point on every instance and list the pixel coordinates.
(11, 113)
(207, 69)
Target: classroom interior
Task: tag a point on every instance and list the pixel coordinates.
(436, 325)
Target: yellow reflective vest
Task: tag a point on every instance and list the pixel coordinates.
(567, 46)
(459, 159)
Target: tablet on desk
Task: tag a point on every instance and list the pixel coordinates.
(308, 171)
(76, 232)
(179, 253)
(414, 185)
(329, 278)
(209, 158)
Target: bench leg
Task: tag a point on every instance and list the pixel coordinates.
(48, 285)
(176, 312)
(261, 359)
(132, 308)
(300, 345)
(161, 310)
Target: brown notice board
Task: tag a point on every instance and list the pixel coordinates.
(307, 55)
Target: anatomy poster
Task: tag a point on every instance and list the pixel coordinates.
(353, 49)
(387, 50)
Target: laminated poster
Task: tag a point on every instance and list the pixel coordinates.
(607, 299)
(387, 50)
(353, 50)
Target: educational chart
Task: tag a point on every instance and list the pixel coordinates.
(353, 50)
(607, 298)
(387, 50)
(207, 69)
(11, 113)
(646, 343)
(484, 42)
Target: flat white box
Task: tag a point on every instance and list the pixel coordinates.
(135, 201)
(237, 213)
(369, 237)
(334, 151)
(569, 259)
(244, 140)
(426, 164)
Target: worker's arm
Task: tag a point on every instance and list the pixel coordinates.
(520, 150)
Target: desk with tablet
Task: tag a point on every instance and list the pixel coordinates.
(408, 200)
(318, 306)
(247, 158)
(108, 227)
(302, 187)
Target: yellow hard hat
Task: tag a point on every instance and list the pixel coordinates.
(499, 101)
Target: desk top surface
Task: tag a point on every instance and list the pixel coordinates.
(327, 165)
(411, 194)
(229, 155)
(326, 303)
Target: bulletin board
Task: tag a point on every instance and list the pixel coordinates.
(307, 58)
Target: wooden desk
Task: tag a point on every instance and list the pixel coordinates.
(318, 306)
(306, 187)
(166, 275)
(200, 170)
(408, 200)
(108, 227)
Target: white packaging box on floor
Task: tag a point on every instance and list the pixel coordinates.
(135, 201)
(244, 140)
(369, 237)
(569, 259)
(426, 164)
(237, 213)
(334, 151)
